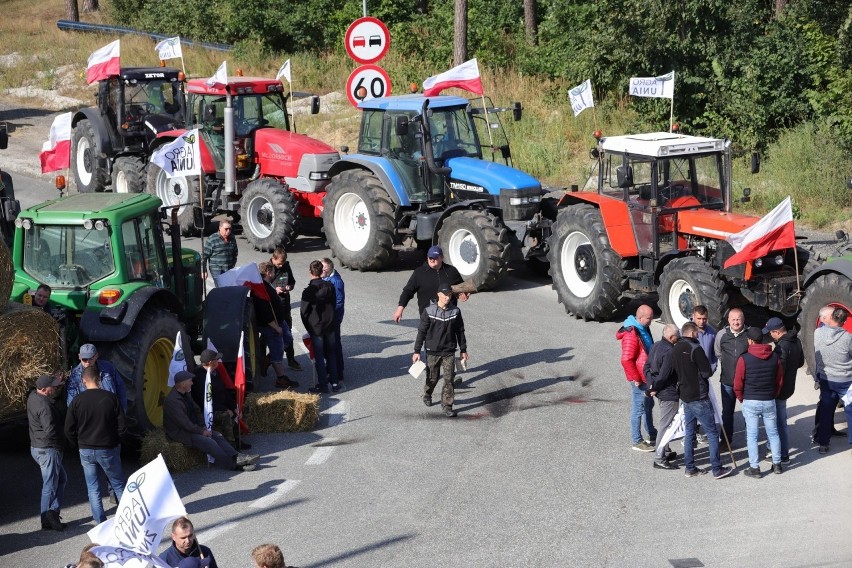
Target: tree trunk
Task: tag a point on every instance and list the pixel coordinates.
(72, 12)
(460, 33)
(530, 24)
(90, 5)
(780, 6)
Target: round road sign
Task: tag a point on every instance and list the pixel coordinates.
(367, 40)
(367, 82)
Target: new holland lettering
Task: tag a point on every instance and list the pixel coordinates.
(461, 186)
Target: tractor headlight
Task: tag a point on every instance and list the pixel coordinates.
(779, 259)
(88, 224)
(317, 176)
(519, 200)
(758, 263)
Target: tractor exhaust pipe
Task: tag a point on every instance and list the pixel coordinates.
(230, 172)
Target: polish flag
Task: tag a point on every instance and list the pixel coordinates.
(240, 381)
(104, 62)
(248, 275)
(774, 231)
(465, 76)
(56, 152)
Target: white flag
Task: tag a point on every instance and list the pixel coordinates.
(117, 557)
(660, 87)
(220, 77)
(285, 72)
(208, 408)
(581, 97)
(169, 48)
(181, 157)
(178, 362)
(675, 431)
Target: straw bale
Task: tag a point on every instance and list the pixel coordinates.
(178, 458)
(283, 411)
(29, 348)
(7, 274)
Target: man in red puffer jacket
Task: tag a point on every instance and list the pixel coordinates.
(636, 341)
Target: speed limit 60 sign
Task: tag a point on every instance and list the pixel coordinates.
(367, 82)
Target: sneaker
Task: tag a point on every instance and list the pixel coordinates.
(247, 467)
(317, 390)
(671, 456)
(449, 412)
(53, 520)
(458, 382)
(427, 400)
(785, 460)
(723, 472)
(823, 449)
(837, 433)
(294, 365)
(777, 469)
(285, 383)
(247, 459)
(664, 465)
(752, 472)
(694, 472)
(335, 387)
(643, 446)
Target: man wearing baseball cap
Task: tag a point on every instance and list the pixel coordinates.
(46, 445)
(110, 379)
(789, 350)
(224, 400)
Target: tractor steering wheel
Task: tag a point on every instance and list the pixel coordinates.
(671, 192)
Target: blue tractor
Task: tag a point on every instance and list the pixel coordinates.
(430, 170)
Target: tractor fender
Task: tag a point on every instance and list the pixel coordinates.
(104, 143)
(468, 204)
(115, 322)
(616, 220)
(666, 258)
(842, 266)
(381, 168)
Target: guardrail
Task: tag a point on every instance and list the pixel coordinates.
(71, 26)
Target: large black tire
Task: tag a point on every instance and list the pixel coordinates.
(143, 359)
(358, 221)
(588, 275)
(89, 174)
(476, 243)
(128, 175)
(268, 215)
(178, 190)
(229, 311)
(827, 290)
(688, 282)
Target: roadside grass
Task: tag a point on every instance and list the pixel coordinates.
(549, 142)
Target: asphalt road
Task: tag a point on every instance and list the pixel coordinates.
(537, 469)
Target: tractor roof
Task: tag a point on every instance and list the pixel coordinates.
(661, 144)
(236, 85)
(74, 209)
(148, 73)
(413, 102)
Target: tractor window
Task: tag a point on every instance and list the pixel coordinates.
(143, 257)
(67, 255)
(370, 140)
(707, 183)
(453, 134)
(151, 97)
(256, 111)
(274, 111)
(405, 147)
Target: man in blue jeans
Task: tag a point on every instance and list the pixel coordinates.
(833, 354)
(45, 426)
(95, 423)
(317, 311)
(693, 371)
(636, 342)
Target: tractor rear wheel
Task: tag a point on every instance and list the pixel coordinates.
(358, 220)
(89, 174)
(228, 313)
(178, 190)
(587, 273)
(688, 282)
(268, 215)
(476, 243)
(827, 290)
(128, 175)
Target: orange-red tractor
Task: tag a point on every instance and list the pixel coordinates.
(657, 223)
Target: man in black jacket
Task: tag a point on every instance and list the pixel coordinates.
(693, 371)
(425, 281)
(283, 281)
(224, 399)
(731, 342)
(789, 349)
(95, 424)
(441, 329)
(46, 445)
(270, 313)
(662, 383)
(317, 311)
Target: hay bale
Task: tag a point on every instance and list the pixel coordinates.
(30, 347)
(283, 411)
(178, 458)
(7, 274)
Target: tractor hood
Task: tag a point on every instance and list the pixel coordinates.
(281, 153)
(489, 175)
(713, 224)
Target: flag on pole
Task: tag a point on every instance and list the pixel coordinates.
(284, 71)
(581, 97)
(248, 275)
(464, 76)
(178, 362)
(661, 87)
(182, 157)
(169, 49)
(208, 408)
(117, 557)
(104, 62)
(240, 380)
(774, 231)
(717, 412)
(675, 431)
(228, 382)
(56, 152)
(220, 77)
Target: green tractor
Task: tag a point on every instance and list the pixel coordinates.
(118, 285)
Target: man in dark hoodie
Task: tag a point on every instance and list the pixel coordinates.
(636, 341)
(425, 281)
(789, 350)
(662, 383)
(757, 381)
(693, 371)
(833, 351)
(731, 342)
(317, 312)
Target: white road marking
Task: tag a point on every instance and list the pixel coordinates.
(320, 455)
(277, 492)
(338, 413)
(216, 530)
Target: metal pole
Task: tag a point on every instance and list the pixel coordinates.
(365, 8)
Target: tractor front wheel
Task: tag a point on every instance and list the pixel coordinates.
(476, 243)
(826, 290)
(177, 190)
(89, 174)
(688, 282)
(268, 213)
(128, 175)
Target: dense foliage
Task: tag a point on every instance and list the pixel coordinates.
(747, 70)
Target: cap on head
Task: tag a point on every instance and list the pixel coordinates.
(209, 355)
(445, 289)
(182, 376)
(193, 562)
(435, 252)
(755, 334)
(773, 324)
(88, 351)
(45, 381)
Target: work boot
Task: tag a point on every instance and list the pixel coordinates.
(53, 520)
(427, 400)
(247, 459)
(449, 412)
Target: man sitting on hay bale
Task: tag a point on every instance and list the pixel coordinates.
(183, 423)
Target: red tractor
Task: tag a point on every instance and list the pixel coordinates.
(251, 161)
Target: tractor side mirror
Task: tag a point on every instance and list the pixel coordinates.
(505, 151)
(746, 195)
(401, 125)
(517, 110)
(344, 149)
(315, 102)
(755, 162)
(849, 184)
(4, 135)
(624, 174)
(209, 113)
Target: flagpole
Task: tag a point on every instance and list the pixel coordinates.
(487, 123)
(730, 451)
(291, 100)
(671, 113)
(201, 202)
(182, 64)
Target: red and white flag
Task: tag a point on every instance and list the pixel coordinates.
(248, 275)
(56, 152)
(104, 62)
(465, 76)
(774, 231)
(240, 380)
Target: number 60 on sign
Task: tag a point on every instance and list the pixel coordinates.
(367, 82)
